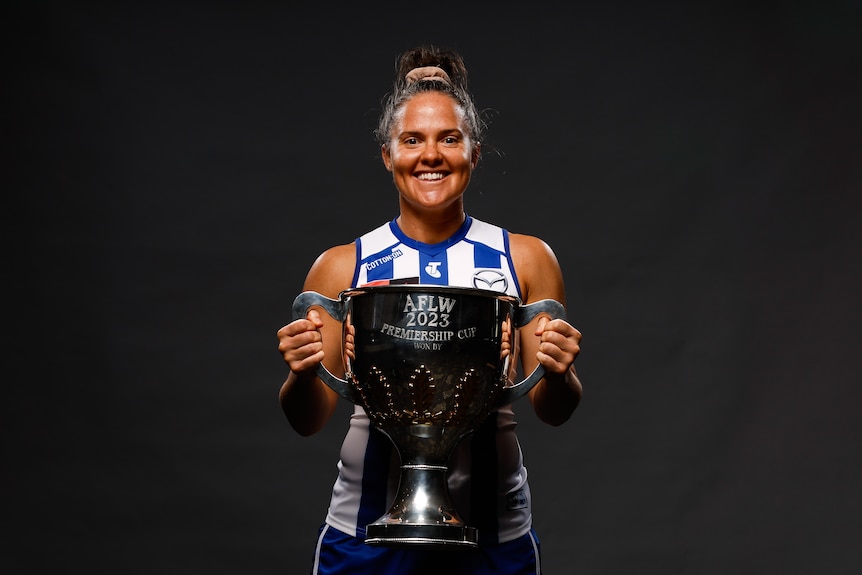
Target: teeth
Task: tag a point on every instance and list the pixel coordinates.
(434, 176)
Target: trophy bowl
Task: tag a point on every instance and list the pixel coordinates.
(428, 364)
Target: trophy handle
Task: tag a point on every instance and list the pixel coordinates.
(335, 308)
(523, 315)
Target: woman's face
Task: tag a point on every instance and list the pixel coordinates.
(430, 154)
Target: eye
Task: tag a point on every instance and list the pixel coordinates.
(450, 140)
(411, 141)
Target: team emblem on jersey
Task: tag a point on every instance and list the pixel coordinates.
(490, 279)
(431, 269)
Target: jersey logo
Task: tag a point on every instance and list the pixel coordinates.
(490, 279)
(396, 253)
(517, 499)
(431, 269)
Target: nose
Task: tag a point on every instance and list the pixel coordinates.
(430, 153)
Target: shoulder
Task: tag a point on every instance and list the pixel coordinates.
(332, 271)
(528, 249)
(537, 267)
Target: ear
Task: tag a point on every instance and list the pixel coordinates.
(387, 159)
(477, 151)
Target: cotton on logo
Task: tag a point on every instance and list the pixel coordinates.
(431, 269)
(490, 279)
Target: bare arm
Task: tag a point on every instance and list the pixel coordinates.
(553, 343)
(307, 402)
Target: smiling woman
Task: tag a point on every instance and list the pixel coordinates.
(431, 160)
(430, 138)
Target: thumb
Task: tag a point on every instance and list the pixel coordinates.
(540, 326)
(314, 317)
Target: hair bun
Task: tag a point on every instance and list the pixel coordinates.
(427, 73)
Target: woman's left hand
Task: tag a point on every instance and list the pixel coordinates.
(560, 344)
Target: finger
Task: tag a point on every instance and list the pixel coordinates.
(298, 334)
(551, 363)
(312, 321)
(301, 345)
(559, 330)
(558, 347)
(307, 363)
(570, 345)
(295, 328)
(314, 317)
(540, 326)
(554, 346)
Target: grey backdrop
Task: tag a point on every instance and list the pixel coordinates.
(173, 171)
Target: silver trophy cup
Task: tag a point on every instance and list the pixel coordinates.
(428, 364)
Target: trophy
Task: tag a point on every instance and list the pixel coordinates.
(428, 364)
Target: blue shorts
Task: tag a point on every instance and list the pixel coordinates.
(339, 553)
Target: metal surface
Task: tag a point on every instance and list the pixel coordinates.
(428, 364)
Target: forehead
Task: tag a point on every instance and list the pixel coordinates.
(430, 109)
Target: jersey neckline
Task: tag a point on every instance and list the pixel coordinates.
(459, 235)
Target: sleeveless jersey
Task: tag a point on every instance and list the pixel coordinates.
(487, 479)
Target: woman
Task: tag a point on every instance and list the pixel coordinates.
(429, 132)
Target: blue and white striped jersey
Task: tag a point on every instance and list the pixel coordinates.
(477, 256)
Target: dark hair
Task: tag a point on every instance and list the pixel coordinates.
(402, 90)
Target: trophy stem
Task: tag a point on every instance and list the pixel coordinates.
(422, 513)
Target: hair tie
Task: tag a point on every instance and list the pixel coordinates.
(427, 73)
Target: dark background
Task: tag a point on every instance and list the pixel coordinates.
(173, 170)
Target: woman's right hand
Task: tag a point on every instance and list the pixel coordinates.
(301, 343)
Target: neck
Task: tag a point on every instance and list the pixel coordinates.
(431, 228)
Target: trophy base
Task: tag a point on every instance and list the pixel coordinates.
(428, 536)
